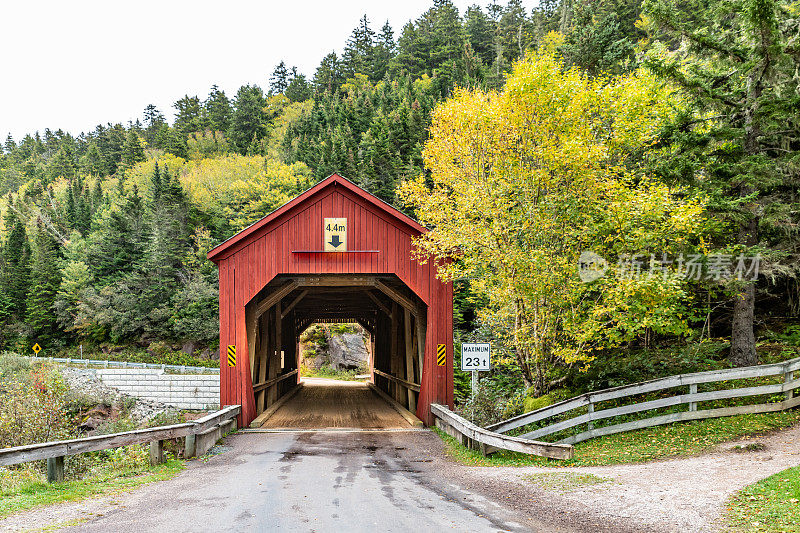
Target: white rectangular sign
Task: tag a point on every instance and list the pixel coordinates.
(476, 357)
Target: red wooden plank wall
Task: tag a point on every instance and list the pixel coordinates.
(249, 263)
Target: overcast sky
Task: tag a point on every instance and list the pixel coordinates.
(73, 64)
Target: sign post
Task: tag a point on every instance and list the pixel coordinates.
(36, 349)
(475, 357)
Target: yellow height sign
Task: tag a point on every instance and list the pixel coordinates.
(36, 348)
(335, 232)
(441, 354)
(231, 355)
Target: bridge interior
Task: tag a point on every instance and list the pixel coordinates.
(389, 312)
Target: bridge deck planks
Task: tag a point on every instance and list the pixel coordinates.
(325, 403)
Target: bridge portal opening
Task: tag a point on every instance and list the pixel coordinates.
(394, 320)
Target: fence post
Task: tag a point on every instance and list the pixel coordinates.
(190, 446)
(590, 424)
(156, 452)
(55, 469)
(788, 377)
(693, 390)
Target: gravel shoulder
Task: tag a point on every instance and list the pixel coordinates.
(675, 495)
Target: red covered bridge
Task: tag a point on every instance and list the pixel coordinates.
(334, 254)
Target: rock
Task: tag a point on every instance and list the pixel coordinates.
(90, 424)
(85, 383)
(188, 347)
(347, 351)
(205, 355)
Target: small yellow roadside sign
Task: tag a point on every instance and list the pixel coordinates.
(441, 354)
(36, 348)
(231, 355)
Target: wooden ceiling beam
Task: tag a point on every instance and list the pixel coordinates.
(296, 301)
(275, 297)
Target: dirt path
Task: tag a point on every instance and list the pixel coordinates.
(676, 495)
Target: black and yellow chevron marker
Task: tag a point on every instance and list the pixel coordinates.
(231, 355)
(441, 354)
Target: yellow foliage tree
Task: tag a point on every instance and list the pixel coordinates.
(524, 180)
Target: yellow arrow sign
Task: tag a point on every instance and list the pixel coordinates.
(36, 348)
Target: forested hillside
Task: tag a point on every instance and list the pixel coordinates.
(661, 130)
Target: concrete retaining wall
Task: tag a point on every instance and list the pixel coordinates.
(184, 391)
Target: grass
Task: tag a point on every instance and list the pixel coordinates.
(772, 504)
(331, 373)
(564, 481)
(36, 494)
(661, 442)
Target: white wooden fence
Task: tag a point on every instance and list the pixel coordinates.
(689, 396)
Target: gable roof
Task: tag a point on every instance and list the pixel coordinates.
(331, 181)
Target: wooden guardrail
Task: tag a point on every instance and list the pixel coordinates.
(487, 441)
(274, 381)
(400, 381)
(786, 369)
(200, 435)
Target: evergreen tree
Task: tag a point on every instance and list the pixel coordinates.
(279, 80)
(189, 116)
(328, 76)
(92, 162)
(45, 279)
(16, 263)
(479, 33)
(248, 122)
(133, 151)
(63, 163)
(299, 90)
(155, 123)
(218, 110)
(156, 183)
(383, 52)
(119, 243)
(358, 52)
(737, 64)
(596, 42)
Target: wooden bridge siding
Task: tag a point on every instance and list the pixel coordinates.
(252, 263)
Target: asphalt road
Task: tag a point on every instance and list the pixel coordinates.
(314, 481)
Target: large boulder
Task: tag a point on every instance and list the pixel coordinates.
(347, 351)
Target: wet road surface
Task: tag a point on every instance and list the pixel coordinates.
(313, 481)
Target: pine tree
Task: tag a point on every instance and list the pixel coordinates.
(328, 76)
(133, 151)
(91, 162)
(248, 122)
(156, 183)
(44, 282)
(154, 124)
(479, 32)
(119, 243)
(16, 263)
(383, 52)
(737, 65)
(218, 110)
(279, 80)
(358, 52)
(63, 163)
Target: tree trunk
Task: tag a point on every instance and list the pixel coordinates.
(743, 339)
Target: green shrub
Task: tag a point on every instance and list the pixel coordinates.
(33, 405)
(532, 404)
